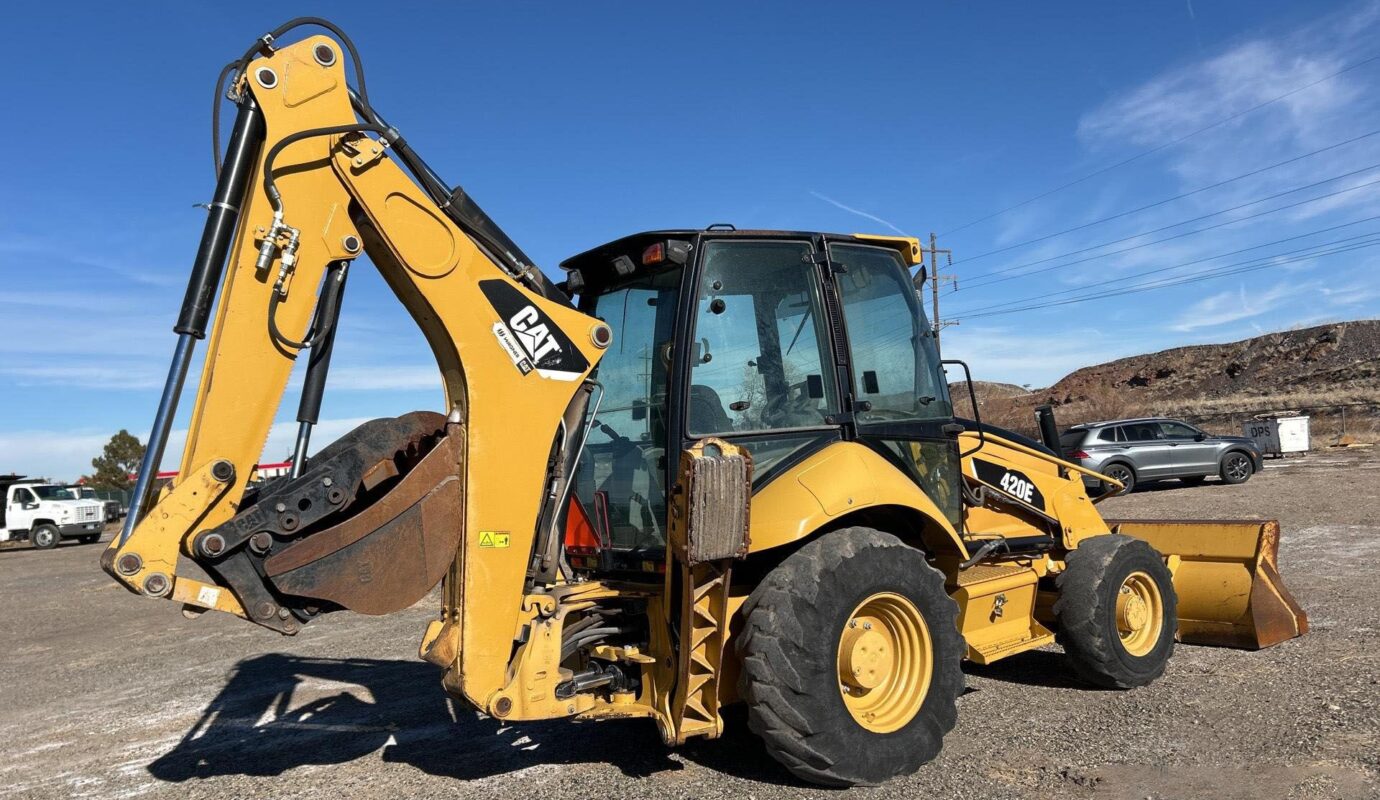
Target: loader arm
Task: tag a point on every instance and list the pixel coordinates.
(1226, 572)
(372, 523)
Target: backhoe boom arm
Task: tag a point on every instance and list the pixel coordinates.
(375, 520)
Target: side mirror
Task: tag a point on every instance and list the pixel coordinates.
(1200, 437)
(30, 506)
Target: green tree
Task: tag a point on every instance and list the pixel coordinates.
(113, 466)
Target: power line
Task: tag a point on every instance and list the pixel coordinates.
(1173, 267)
(1157, 203)
(1179, 282)
(1199, 218)
(1175, 225)
(1168, 144)
(1295, 237)
(1252, 265)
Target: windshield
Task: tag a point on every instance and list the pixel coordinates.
(896, 367)
(51, 493)
(621, 477)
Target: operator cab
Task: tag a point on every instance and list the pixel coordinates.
(780, 342)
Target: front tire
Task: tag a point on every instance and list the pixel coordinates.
(851, 659)
(45, 537)
(1116, 614)
(1236, 468)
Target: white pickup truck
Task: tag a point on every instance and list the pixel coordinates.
(46, 513)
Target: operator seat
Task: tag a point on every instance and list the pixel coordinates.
(707, 413)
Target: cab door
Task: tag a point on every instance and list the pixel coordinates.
(1150, 453)
(897, 394)
(760, 370)
(20, 515)
(1189, 452)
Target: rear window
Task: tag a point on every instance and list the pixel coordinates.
(1110, 435)
(1072, 438)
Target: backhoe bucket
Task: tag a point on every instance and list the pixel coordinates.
(1227, 579)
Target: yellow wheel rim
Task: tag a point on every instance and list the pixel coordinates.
(1139, 613)
(885, 662)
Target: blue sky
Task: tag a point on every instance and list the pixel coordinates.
(577, 123)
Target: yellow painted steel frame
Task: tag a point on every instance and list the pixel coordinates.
(841, 479)
(1060, 483)
(997, 604)
(511, 418)
(907, 246)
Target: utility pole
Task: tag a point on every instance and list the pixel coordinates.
(935, 278)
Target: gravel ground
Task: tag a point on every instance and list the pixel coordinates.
(104, 695)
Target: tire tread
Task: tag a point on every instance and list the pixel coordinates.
(771, 645)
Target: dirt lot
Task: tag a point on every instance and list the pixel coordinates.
(105, 695)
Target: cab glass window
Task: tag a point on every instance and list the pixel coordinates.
(895, 366)
(1141, 432)
(758, 357)
(621, 477)
(1177, 430)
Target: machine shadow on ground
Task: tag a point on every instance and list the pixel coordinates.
(1044, 668)
(277, 712)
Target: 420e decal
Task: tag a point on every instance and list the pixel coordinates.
(1011, 481)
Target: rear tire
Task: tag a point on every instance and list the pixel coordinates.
(1122, 473)
(1236, 468)
(1117, 612)
(793, 649)
(45, 537)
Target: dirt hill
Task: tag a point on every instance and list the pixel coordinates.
(1321, 370)
(986, 389)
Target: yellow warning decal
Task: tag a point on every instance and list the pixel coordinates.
(495, 538)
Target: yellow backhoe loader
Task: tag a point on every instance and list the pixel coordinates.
(709, 466)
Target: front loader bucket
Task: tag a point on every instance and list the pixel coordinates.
(1227, 579)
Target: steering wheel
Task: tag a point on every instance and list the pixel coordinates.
(792, 408)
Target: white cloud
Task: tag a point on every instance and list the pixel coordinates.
(1007, 355)
(60, 455)
(1351, 294)
(1234, 305)
(831, 201)
(105, 377)
(1182, 101)
(1160, 111)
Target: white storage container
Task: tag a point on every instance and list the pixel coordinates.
(1278, 436)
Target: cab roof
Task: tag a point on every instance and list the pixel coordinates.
(907, 246)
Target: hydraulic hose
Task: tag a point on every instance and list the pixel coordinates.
(264, 44)
(271, 185)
